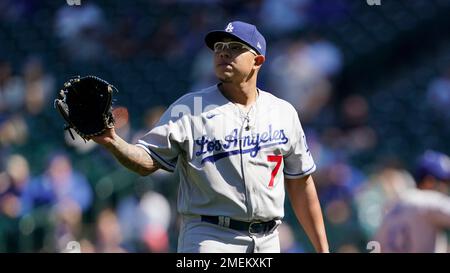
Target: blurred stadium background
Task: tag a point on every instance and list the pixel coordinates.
(371, 84)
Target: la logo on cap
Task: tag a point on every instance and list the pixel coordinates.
(229, 28)
(258, 45)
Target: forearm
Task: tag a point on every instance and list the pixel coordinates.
(306, 206)
(131, 156)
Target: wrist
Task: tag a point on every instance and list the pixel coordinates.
(110, 141)
(109, 144)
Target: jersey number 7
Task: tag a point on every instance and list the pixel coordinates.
(277, 159)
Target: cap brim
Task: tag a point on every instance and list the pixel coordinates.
(218, 35)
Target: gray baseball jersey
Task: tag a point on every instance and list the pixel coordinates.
(230, 163)
(416, 223)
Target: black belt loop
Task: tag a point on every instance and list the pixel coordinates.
(250, 227)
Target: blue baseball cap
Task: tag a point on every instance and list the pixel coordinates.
(241, 31)
(435, 164)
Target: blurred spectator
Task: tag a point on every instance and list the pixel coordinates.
(438, 94)
(109, 236)
(202, 73)
(283, 16)
(384, 186)
(323, 12)
(146, 219)
(150, 118)
(417, 221)
(39, 86)
(13, 130)
(326, 56)
(86, 246)
(78, 143)
(11, 89)
(242, 9)
(164, 42)
(58, 185)
(340, 181)
(122, 122)
(359, 136)
(121, 41)
(68, 225)
(300, 74)
(198, 24)
(15, 10)
(348, 248)
(12, 184)
(288, 243)
(81, 30)
(157, 214)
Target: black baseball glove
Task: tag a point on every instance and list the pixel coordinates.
(86, 106)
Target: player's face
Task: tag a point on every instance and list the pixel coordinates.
(234, 61)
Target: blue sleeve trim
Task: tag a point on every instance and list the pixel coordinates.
(310, 170)
(157, 157)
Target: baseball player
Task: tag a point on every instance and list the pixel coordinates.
(236, 148)
(417, 221)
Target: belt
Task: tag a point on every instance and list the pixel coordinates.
(254, 227)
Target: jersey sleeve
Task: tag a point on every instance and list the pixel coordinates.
(164, 142)
(298, 162)
(439, 212)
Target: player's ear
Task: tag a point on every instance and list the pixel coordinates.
(259, 60)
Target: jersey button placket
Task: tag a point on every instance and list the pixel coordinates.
(249, 187)
(243, 164)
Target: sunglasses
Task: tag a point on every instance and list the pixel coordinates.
(233, 47)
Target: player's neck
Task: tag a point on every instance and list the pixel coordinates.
(243, 94)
